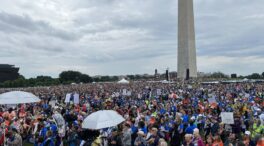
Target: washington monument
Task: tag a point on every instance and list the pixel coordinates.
(186, 40)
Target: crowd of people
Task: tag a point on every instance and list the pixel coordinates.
(156, 114)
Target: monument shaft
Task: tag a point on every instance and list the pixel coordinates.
(186, 40)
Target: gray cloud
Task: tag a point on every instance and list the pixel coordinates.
(11, 23)
(123, 37)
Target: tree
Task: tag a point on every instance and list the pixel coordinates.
(254, 76)
(218, 75)
(85, 78)
(131, 77)
(115, 78)
(262, 75)
(105, 79)
(73, 76)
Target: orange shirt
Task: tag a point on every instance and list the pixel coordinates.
(218, 144)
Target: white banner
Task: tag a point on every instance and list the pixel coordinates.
(124, 92)
(158, 92)
(60, 122)
(227, 117)
(76, 98)
(128, 93)
(68, 97)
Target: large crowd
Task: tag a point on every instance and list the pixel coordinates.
(156, 114)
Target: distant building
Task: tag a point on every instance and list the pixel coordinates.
(173, 74)
(8, 72)
(156, 75)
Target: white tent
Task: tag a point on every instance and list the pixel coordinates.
(102, 119)
(123, 81)
(166, 82)
(17, 97)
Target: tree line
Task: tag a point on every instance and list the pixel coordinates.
(68, 77)
(65, 77)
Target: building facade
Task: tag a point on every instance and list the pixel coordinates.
(8, 72)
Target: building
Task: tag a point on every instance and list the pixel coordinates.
(8, 72)
(186, 40)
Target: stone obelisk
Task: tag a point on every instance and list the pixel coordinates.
(186, 40)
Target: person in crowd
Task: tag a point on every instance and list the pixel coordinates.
(175, 136)
(126, 136)
(209, 141)
(231, 140)
(115, 139)
(72, 137)
(140, 139)
(188, 140)
(247, 139)
(162, 142)
(49, 141)
(197, 138)
(260, 142)
(153, 140)
(217, 141)
(14, 138)
(170, 114)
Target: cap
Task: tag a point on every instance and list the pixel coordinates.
(247, 132)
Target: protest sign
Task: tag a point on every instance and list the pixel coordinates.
(124, 92)
(212, 100)
(227, 117)
(128, 93)
(158, 92)
(68, 97)
(76, 98)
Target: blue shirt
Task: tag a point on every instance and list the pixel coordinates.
(145, 130)
(189, 129)
(185, 119)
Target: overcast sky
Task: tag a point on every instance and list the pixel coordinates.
(115, 37)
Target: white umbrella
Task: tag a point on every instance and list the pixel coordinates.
(102, 119)
(17, 97)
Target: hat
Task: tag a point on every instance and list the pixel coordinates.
(247, 133)
(140, 132)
